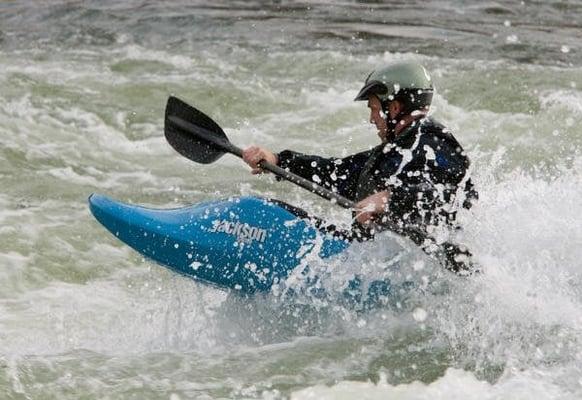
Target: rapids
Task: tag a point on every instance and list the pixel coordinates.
(83, 87)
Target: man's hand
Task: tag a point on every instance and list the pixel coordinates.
(253, 155)
(371, 206)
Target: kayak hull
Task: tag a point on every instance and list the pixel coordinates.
(245, 243)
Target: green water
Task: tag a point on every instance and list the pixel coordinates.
(83, 87)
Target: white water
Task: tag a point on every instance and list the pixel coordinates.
(83, 316)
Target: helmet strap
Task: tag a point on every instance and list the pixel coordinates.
(391, 123)
(408, 108)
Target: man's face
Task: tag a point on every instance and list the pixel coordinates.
(377, 117)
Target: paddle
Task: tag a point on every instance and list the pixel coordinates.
(197, 137)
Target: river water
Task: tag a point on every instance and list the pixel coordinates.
(83, 87)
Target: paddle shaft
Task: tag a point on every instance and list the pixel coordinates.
(228, 147)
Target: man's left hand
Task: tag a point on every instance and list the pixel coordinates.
(371, 206)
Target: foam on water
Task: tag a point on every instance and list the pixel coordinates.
(142, 314)
(456, 384)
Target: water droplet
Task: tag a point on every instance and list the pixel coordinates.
(512, 39)
(419, 314)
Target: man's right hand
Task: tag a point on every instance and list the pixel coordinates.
(253, 155)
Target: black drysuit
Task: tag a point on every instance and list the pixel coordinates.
(424, 168)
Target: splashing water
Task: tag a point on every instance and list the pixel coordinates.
(81, 106)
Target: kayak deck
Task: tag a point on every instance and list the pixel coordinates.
(243, 243)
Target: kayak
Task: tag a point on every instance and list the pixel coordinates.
(243, 243)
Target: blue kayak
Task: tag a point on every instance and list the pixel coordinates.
(244, 243)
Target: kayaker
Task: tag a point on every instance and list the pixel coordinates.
(416, 177)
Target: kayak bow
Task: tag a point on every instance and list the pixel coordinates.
(243, 243)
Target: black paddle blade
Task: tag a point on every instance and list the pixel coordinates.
(186, 143)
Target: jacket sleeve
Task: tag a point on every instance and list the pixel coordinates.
(337, 174)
